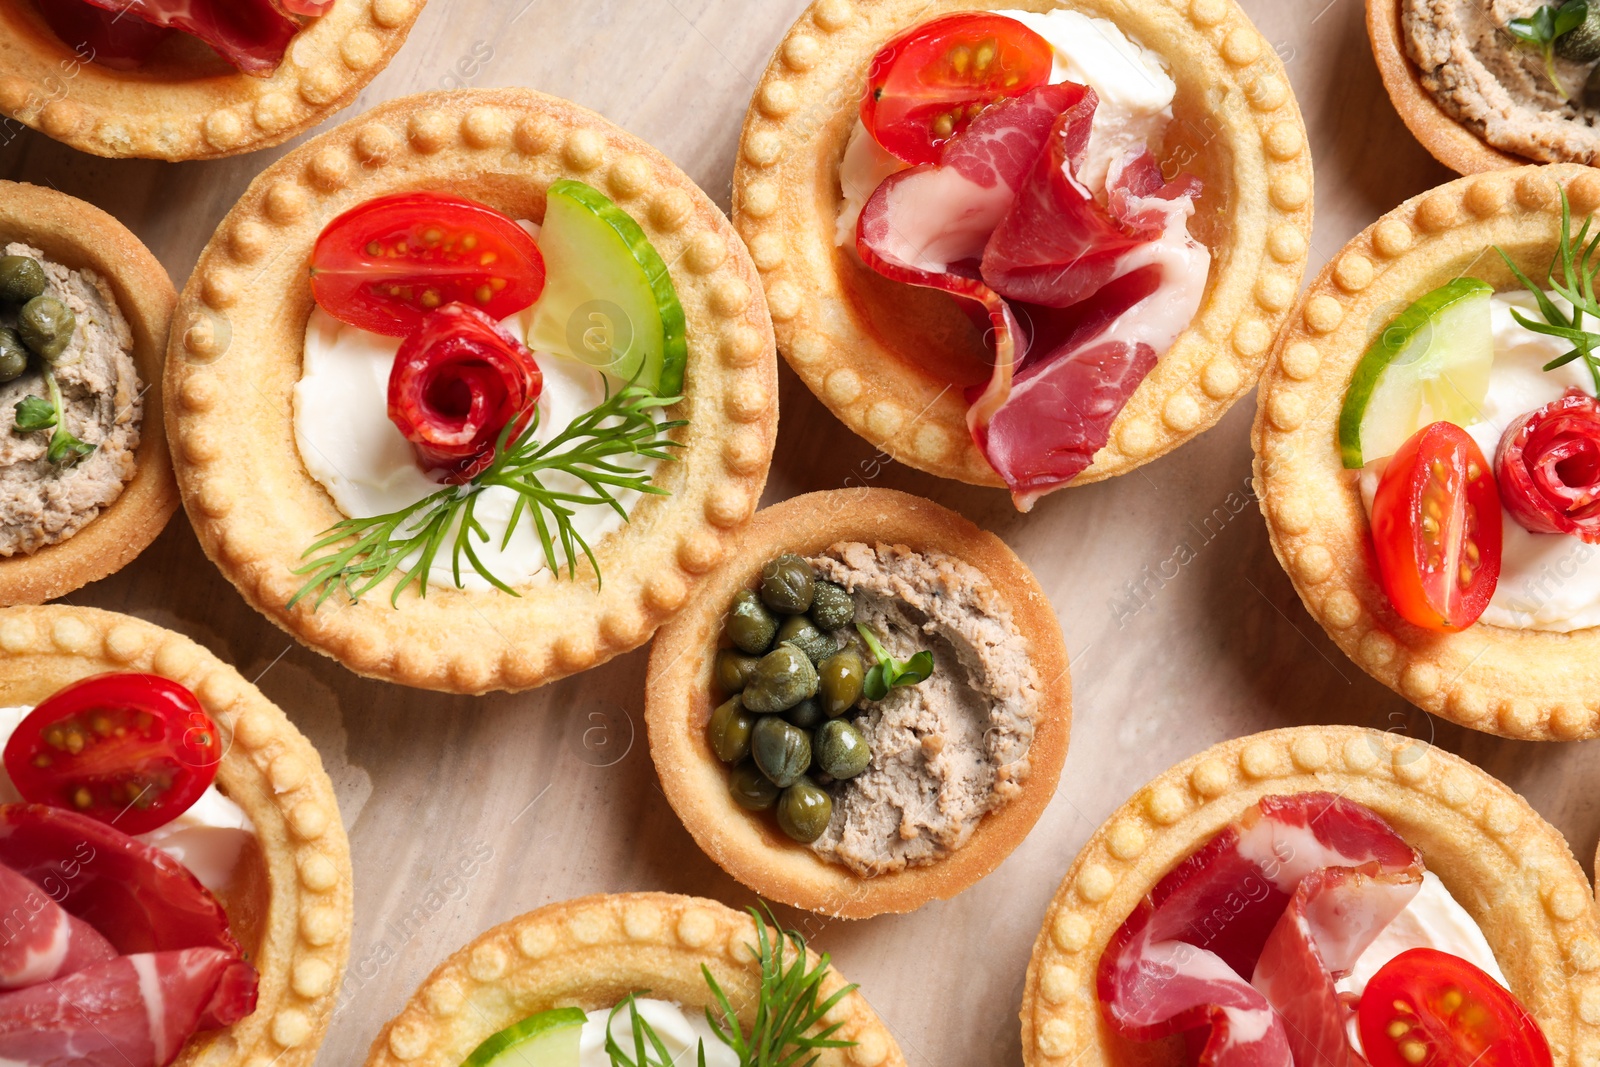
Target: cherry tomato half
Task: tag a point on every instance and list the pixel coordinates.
(1427, 1008)
(1436, 529)
(386, 263)
(929, 83)
(131, 750)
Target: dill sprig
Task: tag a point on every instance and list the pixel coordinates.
(359, 554)
(1576, 256)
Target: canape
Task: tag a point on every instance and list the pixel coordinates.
(1422, 447)
(497, 434)
(176, 877)
(196, 79)
(1318, 894)
(85, 479)
(1027, 248)
(636, 978)
(866, 707)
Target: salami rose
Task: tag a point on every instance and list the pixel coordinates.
(1548, 467)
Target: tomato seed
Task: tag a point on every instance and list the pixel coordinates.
(469, 242)
(81, 798)
(1413, 1051)
(484, 294)
(1398, 1029)
(374, 248)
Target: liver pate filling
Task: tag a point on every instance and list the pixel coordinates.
(951, 749)
(42, 503)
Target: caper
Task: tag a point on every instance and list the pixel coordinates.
(13, 356)
(729, 731)
(782, 750)
(751, 789)
(750, 625)
(1582, 43)
(841, 749)
(734, 670)
(804, 810)
(839, 680)
(21, 279)
(831, 607)
(797, 630)
(783, 678)
(787, 584)
(807, 715)
(46, 326)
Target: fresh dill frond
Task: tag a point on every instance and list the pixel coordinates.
(1578, 259)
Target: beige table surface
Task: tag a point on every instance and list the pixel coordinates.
(551, 794)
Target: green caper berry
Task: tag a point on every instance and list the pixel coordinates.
(21, 279)
(797, 630)
(839, 681)
(783, 678)
(1591, 89)
(782, 750)
(751, 789)
(841, 750)
(787, 584)
(729, 731)
(831, 607)
(46, 325)
(13, 356)
(1582, 44)
(750, 625)
(807, 715)
(734, 670)
(804, 811)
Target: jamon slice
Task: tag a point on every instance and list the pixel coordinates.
(131, 1011)
(253, 35)
(100, 36)
(40, 940)
(1179, 962)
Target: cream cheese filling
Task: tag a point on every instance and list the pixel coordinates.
(681, 1031)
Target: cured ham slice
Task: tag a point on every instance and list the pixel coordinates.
(131, 1011)
(253, 35)
(100, 36)
(1289, 894)
(41, 941)
(1548, 467)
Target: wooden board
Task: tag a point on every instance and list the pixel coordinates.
(466, 812)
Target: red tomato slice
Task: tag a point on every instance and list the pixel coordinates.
(386, 263)
(929, 83)
(131, 750)
(1436, 529)
(1427, 1008)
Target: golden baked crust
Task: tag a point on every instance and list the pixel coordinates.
(1528, 684)
(270, 770)
(1250, 149)
(79, 235)
(193, 106)
(1511, 870)
(590, 953)
(679, 701)
(1445, 139)
(235, 356)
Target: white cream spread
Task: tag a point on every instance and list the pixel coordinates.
(1547, 581)
(207, 838)
(1135, 106)
(1434, 920)
(680, 1031)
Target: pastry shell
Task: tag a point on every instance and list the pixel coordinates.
(1511, 870)
(271, 771)
(1447, 140)
(1232, 90)
(194, 107)
(590, 953)
(1527, 684)
(80, 235)
(679, 699)
(236, 351)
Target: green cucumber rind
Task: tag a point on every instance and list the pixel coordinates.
(674, 324)
(1369, 371)
(510, 1037)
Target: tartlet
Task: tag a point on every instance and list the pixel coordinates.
(589, 953)
(1511, 870)
(80, 235)
(188, 103)
(298, 938)
(680, 698)
(236, 354)
(1528, 684)
(1251, 152)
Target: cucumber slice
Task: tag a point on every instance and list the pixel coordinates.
(608, 299)
(1430, 364)
(548, 1039)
